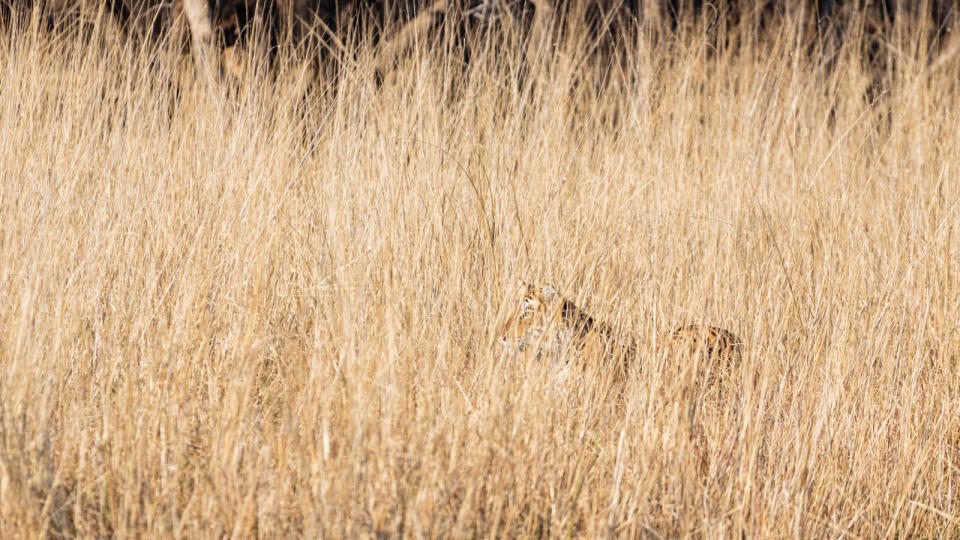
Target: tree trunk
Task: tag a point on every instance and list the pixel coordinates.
(201, 32)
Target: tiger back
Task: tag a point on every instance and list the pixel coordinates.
(715, 353)
(714, 342)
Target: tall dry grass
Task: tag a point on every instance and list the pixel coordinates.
(241, 310)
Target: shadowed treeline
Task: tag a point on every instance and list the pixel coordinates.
(329, 29)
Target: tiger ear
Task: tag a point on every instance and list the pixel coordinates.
(549, 292)
(520, 283)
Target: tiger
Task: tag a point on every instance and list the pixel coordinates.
(543, 323)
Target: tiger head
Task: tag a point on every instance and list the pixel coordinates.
(542, 322)
(533, 312)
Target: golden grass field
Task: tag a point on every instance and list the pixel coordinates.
(236, 309)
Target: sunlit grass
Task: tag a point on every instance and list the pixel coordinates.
(242, 309)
